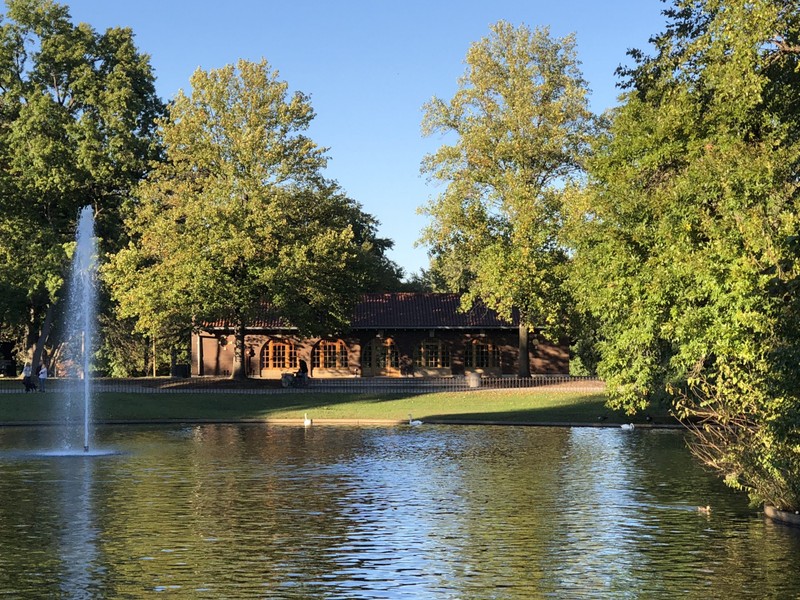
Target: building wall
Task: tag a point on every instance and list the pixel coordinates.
(212, 354)
(547, 357)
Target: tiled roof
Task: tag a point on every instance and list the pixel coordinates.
(422, 311)
(265, 318)
(402, 310)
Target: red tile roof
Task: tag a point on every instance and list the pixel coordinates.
(402, 310)
(265, 318)
(422, 311)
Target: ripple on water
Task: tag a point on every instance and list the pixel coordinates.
(239, 512)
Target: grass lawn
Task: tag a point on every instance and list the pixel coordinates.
(521, 406)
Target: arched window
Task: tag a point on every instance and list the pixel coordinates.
(481, 355)
(279, 354)
(330, 354)
(432, 353)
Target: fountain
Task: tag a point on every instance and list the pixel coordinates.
(80, 328)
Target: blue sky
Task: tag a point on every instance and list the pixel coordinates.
(369, 66)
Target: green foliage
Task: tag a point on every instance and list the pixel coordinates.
(239, 213)
(520, 123)
(123, 353)
(77, 111)
(425, 281)
(584, 356)
(686, 239)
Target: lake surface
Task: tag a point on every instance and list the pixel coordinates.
(221, 511)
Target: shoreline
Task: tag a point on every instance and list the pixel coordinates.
(782, 517)
(347, 422)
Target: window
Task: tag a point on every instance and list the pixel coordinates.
(388, 357)
(330, 355)
(432, 353)
(480, 355)
(279, 354)
(366, 355)
(380, 354)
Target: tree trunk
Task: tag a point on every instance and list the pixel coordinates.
(239, 369)
(173, 361)
(524, 355)
(38, 349)
(200, 358)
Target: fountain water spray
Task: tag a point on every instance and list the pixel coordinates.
(81, 314)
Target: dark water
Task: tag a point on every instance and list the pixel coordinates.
(426, 512)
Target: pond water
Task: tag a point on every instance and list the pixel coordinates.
(228, 511)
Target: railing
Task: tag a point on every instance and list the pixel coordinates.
(454, 384)
(355, 385)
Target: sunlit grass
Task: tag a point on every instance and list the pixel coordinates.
(497, 406)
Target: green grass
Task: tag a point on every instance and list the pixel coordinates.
(502, 406)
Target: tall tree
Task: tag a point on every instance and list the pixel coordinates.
(77, 112)
(519, 124)
(239, 213)
(687, 238)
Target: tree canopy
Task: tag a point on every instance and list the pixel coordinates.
(687, 238)
(77, 112)
(239, 214)
(519, 123)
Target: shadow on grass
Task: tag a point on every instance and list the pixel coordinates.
(444, 407)
(589, 409)
(452, 407)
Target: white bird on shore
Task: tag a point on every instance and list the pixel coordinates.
(306, 421)
(628, 426)
(412, 422)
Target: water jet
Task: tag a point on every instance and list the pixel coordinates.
(80, 328)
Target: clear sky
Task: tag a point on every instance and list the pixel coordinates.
(369, 66)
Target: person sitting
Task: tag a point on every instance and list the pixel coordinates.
(301, 377)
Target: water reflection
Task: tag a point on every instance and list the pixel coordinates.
(77, 542)
(429, 512)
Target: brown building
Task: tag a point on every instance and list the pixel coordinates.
(390, 335)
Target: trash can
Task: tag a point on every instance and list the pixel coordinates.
(473, 380)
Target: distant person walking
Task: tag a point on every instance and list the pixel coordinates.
(27, 380)
(42, 377)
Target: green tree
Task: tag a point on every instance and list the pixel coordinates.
(77, 112)
(687, 247)
(239, 214)
(519, 124)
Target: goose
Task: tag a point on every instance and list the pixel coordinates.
(628, 426)
(306, 421)
(412, 422)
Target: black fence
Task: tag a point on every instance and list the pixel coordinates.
(355, 385)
